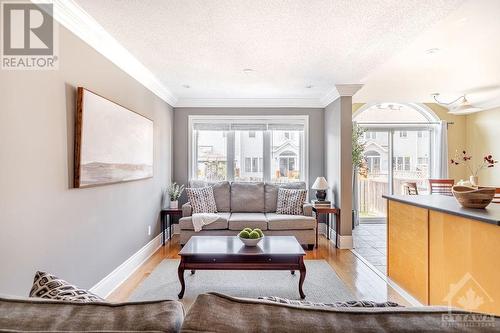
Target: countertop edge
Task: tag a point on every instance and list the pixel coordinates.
(443, 210)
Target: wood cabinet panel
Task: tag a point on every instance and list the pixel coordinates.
(407, 248)
(464, 263)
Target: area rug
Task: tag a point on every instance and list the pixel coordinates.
(322, 284)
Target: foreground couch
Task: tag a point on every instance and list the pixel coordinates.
(219, 313)
(45, 315)
(251, 205)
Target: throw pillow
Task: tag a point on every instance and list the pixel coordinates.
(290, 201)
(348, 304)
(202, 199)
(46, 285)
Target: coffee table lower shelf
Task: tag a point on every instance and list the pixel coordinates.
(290, 263)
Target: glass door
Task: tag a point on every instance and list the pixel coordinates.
(411, 159)
(374, 183)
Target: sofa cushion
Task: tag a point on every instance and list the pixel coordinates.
(290, 201)
(44, 315)
(289, 222)
(202, 200)
(212, 310)
(240, 221)
(186, 223)
(222, 193)
(271, 193)
(46, 285)
(247, 197)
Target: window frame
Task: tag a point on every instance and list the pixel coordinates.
(267, 142)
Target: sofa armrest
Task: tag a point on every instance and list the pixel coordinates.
(307, 208)
(187, 210)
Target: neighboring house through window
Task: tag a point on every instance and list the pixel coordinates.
(259, 148)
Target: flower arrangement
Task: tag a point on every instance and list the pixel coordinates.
(487, 162)
(175, 191)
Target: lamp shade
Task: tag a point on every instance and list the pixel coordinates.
(320, 184)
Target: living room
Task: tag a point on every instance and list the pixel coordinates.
(180, 156)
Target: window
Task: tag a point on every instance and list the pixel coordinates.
(372, 161)
(401, 163)
(211, 153)
(248, 164)
(370, 135)
(258, 148)
(423, 160)
(403, 134)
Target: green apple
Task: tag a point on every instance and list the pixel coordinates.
(254, 235)
(244, 234)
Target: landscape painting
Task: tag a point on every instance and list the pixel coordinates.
(112, 144)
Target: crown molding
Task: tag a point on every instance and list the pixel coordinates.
(79, 22)
(250, 102)
(329, 97)
(348, 89)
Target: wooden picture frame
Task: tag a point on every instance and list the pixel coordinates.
(113, 144)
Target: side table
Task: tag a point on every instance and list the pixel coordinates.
(166, 216)
(327, 210)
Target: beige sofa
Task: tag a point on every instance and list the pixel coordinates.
(253, 205)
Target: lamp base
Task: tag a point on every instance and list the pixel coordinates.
(321, 195)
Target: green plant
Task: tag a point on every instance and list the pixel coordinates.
(358, 149)
(175, 191)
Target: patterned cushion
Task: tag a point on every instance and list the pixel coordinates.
(202, 199)
(46, 285)
(348, 304)
(290, 201)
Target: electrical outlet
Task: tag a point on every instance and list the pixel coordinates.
(149, 230)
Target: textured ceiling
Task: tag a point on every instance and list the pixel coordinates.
(290, 44)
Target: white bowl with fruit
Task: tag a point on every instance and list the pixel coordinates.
(251, 237)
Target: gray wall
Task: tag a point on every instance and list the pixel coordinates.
(80, 235)
(338, 160)
(316, 135)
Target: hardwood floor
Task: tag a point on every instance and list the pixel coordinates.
(359, 277)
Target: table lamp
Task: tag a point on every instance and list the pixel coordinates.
(320, 185)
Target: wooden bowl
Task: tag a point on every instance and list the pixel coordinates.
(473, 197)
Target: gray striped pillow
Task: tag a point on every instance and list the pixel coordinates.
(202, 199)
(290, 201)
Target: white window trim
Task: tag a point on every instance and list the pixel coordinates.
(286, 119)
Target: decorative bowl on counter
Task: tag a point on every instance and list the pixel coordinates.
(473, 197)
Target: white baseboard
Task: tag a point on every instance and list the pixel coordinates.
(114, 279)
(345, 242)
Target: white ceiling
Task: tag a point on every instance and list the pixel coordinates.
(291, 44)
(468, 61)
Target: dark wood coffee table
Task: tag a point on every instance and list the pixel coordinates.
(229, 253)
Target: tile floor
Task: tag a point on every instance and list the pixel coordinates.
(370, 242)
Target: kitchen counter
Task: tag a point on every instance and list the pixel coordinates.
(442, 253)
(450, 205)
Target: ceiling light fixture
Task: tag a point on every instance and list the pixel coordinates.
(434, 50)
(309, 86)
(247, 70)
(463, 108)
